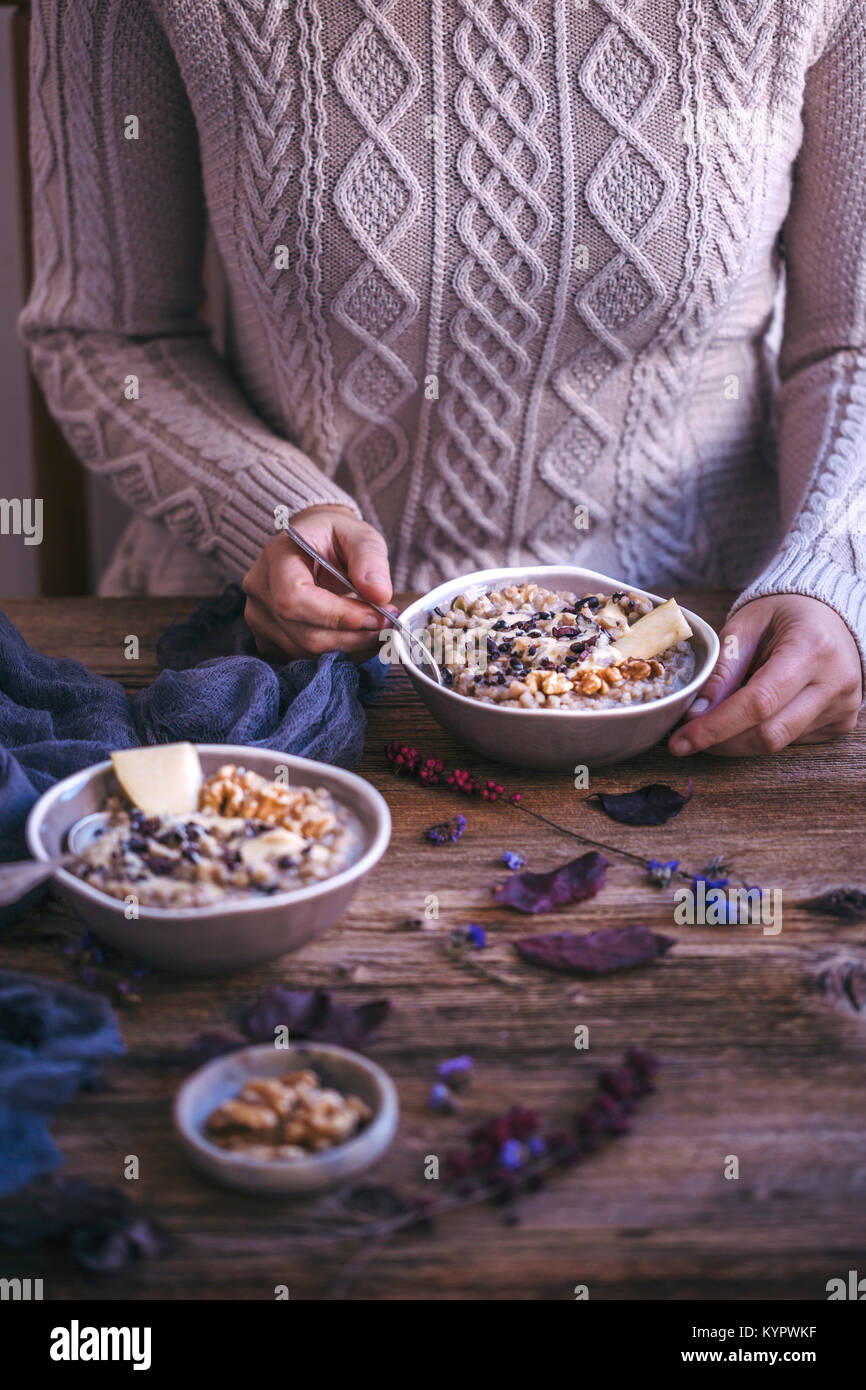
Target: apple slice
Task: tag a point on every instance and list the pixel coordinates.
(664, 627)
(272, 845)
(165, 779)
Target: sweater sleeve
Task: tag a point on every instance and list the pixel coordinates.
(112, 323)
(822, 397)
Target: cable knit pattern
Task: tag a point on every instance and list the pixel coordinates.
(486, 261)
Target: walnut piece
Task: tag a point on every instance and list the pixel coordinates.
(290, 1117)
(238, 792)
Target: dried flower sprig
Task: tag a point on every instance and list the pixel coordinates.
(431, 772)
(509, 1154)
(464, 946)
(447, 831)
(408, 761)
(97, 963)
(507, 1157)
(103, 1228)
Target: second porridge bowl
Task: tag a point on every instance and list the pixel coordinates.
(554, 739)
(226, 934)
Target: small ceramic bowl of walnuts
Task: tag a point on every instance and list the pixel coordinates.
(287, 1121)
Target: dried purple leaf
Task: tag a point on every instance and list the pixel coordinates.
(313, 1014)
(570, 883)
(849, 904)
(654, 804)
(855, 986)
(103, 1227)
(845, 983)
(205, 1046)
(597, 953)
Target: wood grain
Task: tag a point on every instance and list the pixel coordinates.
(755, 1061)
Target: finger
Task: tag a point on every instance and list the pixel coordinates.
(270, 641)
(738, 641)
(296, 597)
(772, 687)
(828, 733)
(366, 556)
(314, 641)
(797, 717)
(297, 640)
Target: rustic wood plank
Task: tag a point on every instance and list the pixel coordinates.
(756, 1062)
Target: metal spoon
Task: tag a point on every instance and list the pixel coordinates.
(17, 879)
(408, 635)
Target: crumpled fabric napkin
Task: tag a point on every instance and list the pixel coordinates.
(57, 717)
(52, 1038)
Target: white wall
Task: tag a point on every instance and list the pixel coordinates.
(19, 564)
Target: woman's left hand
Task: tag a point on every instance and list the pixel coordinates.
(795, 677)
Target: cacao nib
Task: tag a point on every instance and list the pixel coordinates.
(159, 863)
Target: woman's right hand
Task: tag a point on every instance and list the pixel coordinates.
(292, 614)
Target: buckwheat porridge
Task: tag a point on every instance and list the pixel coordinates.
(247, 836)
(527, 648)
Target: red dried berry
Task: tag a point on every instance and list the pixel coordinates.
(619, 1083)
(456, 1164)
(522, 1123)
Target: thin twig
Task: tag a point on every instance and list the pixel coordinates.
(478, 967)
(347, 1276)
(610, 849)
(584, 839)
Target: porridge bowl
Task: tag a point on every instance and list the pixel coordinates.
(249, 1150)
(613, 720)
(323, 1153)
(268, 910)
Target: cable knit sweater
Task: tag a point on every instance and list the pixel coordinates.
(488, 263)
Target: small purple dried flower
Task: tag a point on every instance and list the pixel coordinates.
(441, 1098)
(709, 882)
(456, 1072)
(471, 936)
(511, 1155)
(514, 859)
(447, 831)
(660, 871)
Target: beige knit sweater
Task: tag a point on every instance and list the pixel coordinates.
(489, 263)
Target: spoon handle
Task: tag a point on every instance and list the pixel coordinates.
(320, 560)
(16, 880)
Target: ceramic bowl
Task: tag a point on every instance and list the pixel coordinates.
(552, 739)
(339, 1068)
(226, 936)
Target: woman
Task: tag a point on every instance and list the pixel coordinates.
(500, 278)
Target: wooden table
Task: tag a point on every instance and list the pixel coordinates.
(756, 1061)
